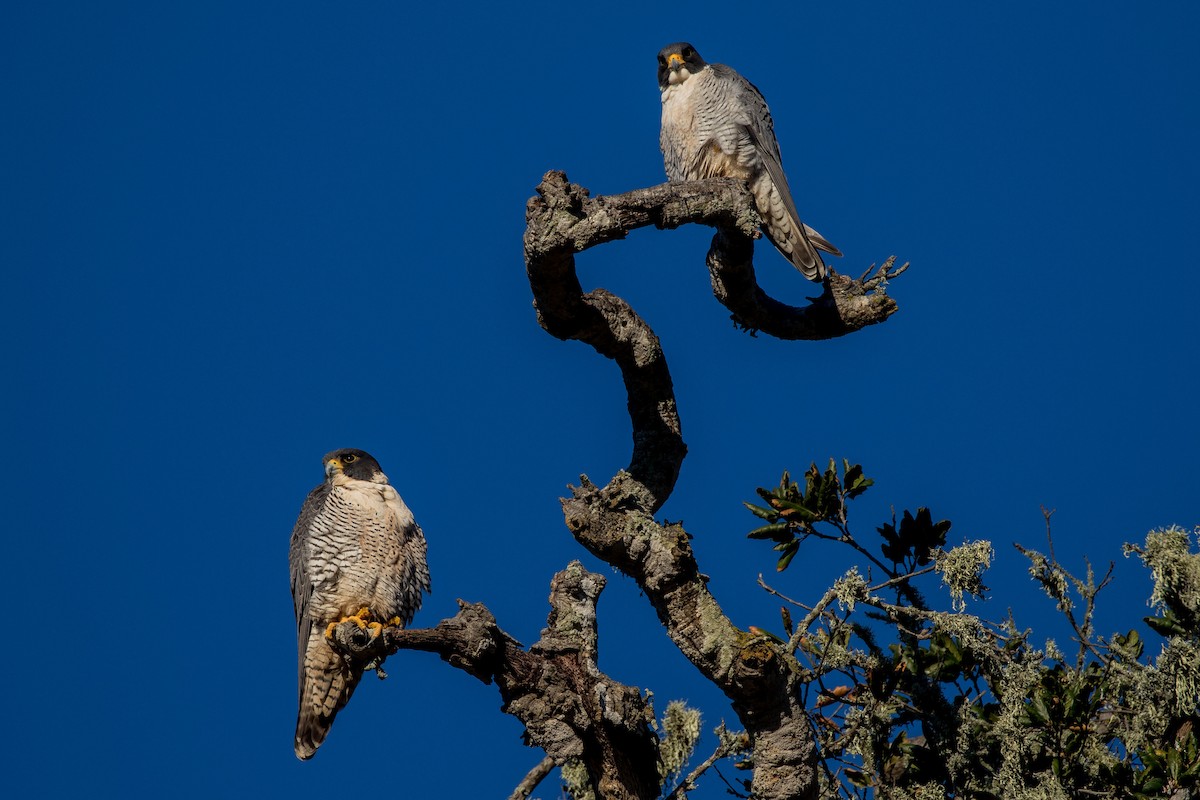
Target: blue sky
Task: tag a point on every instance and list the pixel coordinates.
(239, 235)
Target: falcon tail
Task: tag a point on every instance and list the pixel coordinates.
(820, 242)
(781, 221)
(785, 230)
(325, 687)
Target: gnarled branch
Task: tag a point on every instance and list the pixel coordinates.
(616, 522)
(564, 219)
(568, 706)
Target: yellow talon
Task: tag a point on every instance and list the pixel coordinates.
(362, 619)
(376, 629)
(394, 622)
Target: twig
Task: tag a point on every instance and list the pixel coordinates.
(780, 595)
(689, 783)
(901, 578)
(801, 629)
(531, 781)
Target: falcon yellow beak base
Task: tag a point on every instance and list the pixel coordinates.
(674, 60)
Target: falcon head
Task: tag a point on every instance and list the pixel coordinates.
(355, 464)
(676, 63)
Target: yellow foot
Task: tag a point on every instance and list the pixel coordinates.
(362, 619)
(394, 622)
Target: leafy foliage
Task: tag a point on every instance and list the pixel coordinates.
(916, 540)
(908, 701)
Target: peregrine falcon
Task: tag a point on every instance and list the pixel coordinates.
(358, 555)
(715, 124)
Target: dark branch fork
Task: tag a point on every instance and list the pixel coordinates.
(554, 686)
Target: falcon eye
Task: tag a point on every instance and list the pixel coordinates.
(688, 53)
(349, 458)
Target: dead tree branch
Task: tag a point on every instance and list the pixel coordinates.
(532, 779)
(616, 522)
(568, 706)
(564, 220)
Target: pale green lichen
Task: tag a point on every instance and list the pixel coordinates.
(849, 589)
(1173, 567)
(1179, 663)
(1053, 581)
(962, 570)
(575, 780)
(681, 731)
(924, 791)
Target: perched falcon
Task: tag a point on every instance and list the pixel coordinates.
(715, 124)
(356, 554)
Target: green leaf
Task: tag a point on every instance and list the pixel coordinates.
(856, 778)
(794, 510)
(787, 557)
(759, 511)
(1166, 625)
(860, 485)
(917, 537)
(779, 531)
(1036, 708)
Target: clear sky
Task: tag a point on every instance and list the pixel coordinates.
(238, 235)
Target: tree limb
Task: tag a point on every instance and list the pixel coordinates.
(568, 706)
(532, 779)
(616, 522)
(564, 220)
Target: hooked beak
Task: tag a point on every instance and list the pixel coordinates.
(674, 61)
(332, 466)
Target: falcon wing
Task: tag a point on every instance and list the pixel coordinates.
(301, 579)
(761, 129)
(412, 554)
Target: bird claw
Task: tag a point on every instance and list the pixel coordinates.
(362, 619)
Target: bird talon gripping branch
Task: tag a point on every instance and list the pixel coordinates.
(362, 619)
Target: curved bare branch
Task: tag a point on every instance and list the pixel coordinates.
(616, 522)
